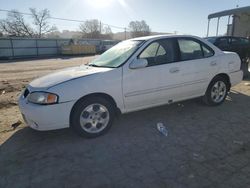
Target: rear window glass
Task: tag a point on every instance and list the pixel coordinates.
(190, 49)
(207, 52)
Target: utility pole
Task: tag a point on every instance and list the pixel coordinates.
(125, 32)
(100, 27)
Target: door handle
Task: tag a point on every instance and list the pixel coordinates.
(213, 63)
(174, 70)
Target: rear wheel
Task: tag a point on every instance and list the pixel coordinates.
(217, 91)
(92, 117)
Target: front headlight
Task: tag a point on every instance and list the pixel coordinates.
(42, 98)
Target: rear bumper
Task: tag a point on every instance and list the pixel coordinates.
(45, 117)
(236, 77)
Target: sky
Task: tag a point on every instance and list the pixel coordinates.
(181, 16)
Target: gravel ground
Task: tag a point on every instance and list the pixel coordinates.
(205, 146)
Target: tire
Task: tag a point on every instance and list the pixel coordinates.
(245, 68)
(92, 117)
(248, 69)
(217, 91)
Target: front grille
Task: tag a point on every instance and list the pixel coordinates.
(26, 93)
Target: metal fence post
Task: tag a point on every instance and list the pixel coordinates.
(12, 48)
(36, 48)
(208, 25)
(218, 24)
(57, 47)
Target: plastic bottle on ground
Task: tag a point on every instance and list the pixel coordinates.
(162, 129)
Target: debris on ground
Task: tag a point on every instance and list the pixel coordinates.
(5, 82)
(198, 157)
(3, 92)
(181, 105)
(191, 176)
(162, 129)
(15, 125)
(12, 102)
(247, 84)
(238, 142)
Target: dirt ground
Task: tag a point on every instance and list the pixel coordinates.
(206, 146)
(14, 75)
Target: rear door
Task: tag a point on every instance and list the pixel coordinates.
(199, 65)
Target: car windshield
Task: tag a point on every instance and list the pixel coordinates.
(116, 55)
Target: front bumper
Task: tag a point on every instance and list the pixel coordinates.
(45, 117)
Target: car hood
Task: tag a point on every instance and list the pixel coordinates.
(65, 75)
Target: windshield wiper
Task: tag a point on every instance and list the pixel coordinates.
(102, 66)
(93, 65)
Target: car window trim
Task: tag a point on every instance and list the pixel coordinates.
(157, 49)
(138, 48)
(208, 47)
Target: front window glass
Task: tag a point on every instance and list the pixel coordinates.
(116, 55)
(150, 51)
(160, 52)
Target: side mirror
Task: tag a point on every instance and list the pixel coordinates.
(138, 63)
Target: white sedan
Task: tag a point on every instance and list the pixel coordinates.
(135, 74)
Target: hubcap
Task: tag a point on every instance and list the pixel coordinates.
(218, 92)
(94, 118)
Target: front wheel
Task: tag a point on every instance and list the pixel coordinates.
(216, 92)
(92, 117)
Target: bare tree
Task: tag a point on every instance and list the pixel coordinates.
(15, 25)
(40, 20)
(139, 28)
(90, 29)
(94, 29)
(107, 33)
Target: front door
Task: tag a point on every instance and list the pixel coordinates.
(158, 82)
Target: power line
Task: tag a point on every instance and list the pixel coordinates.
(63, 19)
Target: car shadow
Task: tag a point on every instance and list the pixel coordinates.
(62, 158)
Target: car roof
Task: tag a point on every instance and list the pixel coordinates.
(156, 37)
(153, 37)
(225, 37)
